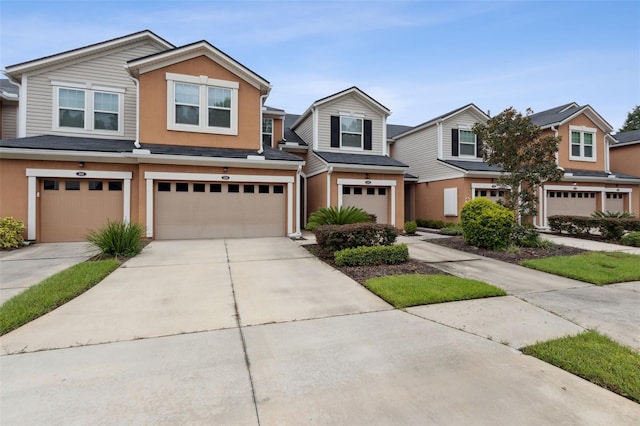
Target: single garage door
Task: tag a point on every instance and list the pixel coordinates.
(615, 202)
(374, 200)
(70, 208)
(572, 203)
(191, 210)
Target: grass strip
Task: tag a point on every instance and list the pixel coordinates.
(52, 292)
(596, 358)
(596, 267)
(403, 291)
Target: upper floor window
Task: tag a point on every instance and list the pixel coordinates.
(351, 132)
(87, 108)
(267, 131)
(202, 104)
(464, 143)
(583, 143)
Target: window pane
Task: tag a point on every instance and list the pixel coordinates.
(70, 98)
(198, 187)
(346, 190)
(351, 140)
(187, 94)
(115, 186)
(278, 189)
(219, 118)
(371, 191)
(382, 191)
(349, 124)
(263, 189)
(266, 139)
(588, 151)
(575, 150)
(95, 185)
(267, 125)
(219, 97)
(50, 185)
(249, 189)
(71, 118)
(233, 187)
(164, 186)
(187, 114)
(105, 102)
(215, 187)
(588, 138)
(72, 185)
(105, 121)
(182, 187)
(575, 138)
(357, 191)
(467, 149)
(466, 136)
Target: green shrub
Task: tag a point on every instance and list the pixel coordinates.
(118, 238)
(486, 224)
(376, 255)
(410, 227)
(616, 215)
(428, 223)
(452, 229)
(610, 228)
(331, 238)
(11, 232)
(338, 216)
(632, 239)
(528, 236)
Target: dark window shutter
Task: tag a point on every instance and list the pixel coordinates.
(454, 142)
(335, 132)
(367, 135)
(478, 147)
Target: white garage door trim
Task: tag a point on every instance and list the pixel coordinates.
(601, 189)
(32, 194)
(204, 177)
(367, 182)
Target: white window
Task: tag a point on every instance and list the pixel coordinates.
(81, 107)
(451, 201)
(467, 141)
(202, 104)
(351, 133)
(582, 143)
(267, 131)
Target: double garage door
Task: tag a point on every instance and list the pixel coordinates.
(191, 210)
(572, 203)
(70, 208)
(374, 200)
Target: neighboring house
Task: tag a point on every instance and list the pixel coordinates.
(347, 160)
(136, 129)
(624, 156)
(445, 156)
(8, 109)
(446, 165)
(589, 183)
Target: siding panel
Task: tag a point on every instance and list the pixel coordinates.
(9, 121)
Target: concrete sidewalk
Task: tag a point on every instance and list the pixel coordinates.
(588, 244)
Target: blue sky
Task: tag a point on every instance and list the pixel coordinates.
(418, 58)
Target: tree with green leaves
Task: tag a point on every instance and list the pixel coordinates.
(527, 157)
(633, 120)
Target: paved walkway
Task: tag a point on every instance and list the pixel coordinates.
(588, 244)
(259, 332)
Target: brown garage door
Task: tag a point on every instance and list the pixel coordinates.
(191, 210)
(69, 208)
(572, 203)
(373, 200)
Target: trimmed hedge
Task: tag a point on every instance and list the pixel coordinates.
(11, 232)
(632, 239)
(428, 223)
(331, 238)
(486, 224)
(610, 228)
(410, 227)
(376, 255)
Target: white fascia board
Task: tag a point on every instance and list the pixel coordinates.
(216, 161)
(375, 104)
(301, 118)
(591, 114)
(82, 52)
(441, 178)
(44, 154)
(339, 167)
(372, 182)
(319, 172)
(599, 179)
(87, 174)
(478, 112)
(215, 177)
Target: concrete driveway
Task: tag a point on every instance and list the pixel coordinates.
(20, 269)
(258, 332)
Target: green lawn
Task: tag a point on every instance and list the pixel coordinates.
(596, 358)
(411, 290)
(52, 292)
(596, 267)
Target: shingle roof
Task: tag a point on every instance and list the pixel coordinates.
(359, 159)
(290, 135)
(598, 174)
(473, 166)
(395, 129)
(80, 144)
(447, 114)
(555, 115)
(8, 87)
(625, 138)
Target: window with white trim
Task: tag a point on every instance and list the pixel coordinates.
(267, 131)
(351, 132)
(202, 104)
(81, 107)
(582, 143)
(467, 142)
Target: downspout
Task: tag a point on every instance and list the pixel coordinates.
(262, 98)
(298, 234)
(136, 143)
(329, 186)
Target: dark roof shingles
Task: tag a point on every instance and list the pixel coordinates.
(359, 159)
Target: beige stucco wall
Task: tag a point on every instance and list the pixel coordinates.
(316, 192)
(625, 159)
(565, 145)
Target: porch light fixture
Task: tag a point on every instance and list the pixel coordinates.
(366, 175)
(225, 169)
(81, 164)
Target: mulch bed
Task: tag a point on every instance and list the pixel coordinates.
(363, 273)
(524, 253)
